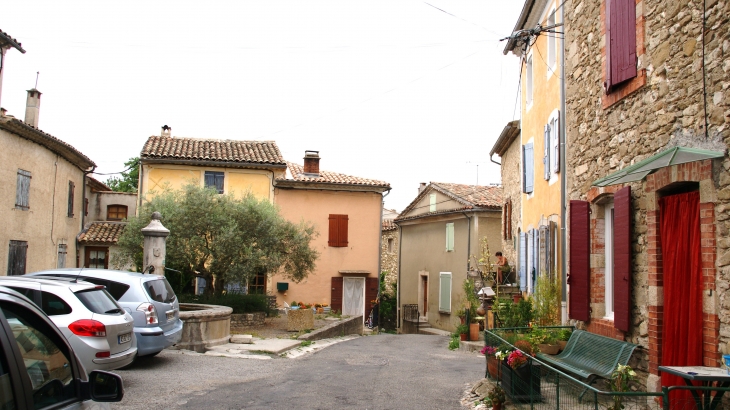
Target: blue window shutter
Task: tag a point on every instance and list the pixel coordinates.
(523, 261)
(529, 168)
(546, 157)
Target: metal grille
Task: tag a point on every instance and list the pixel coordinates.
(410, 318)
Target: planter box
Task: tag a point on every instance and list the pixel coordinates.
(549, 349)
(522, 384)
(300, 319)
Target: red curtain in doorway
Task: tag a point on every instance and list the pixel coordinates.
(681, 262)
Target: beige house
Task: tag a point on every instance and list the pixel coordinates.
(440, 230)
(106, 215)
(346, 211)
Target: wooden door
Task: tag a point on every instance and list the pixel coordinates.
(425, 294)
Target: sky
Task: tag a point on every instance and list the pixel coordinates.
(401, 91)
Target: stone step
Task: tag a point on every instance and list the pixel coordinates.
(241, 339)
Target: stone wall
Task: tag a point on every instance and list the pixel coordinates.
(248, 319)
(667, 105)
(389, 253)
(512, 191)
(343, 327)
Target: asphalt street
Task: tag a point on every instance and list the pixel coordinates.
(371, 372)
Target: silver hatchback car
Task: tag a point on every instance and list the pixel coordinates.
(98, 329)
(148, 298)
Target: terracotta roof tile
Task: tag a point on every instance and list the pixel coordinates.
(5, 37)
(297, 174)
(389, 225)
(102, 232)
(477, 195)
(260, 152)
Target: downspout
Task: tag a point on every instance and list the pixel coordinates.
(468, 242)
(380, 250)
(83, 214)
(563, 184)
(400, 262)
(492, 159)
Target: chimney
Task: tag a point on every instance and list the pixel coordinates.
(33, 107)
(2, 111)
(311, 162)
(421, 187)
(166, 131)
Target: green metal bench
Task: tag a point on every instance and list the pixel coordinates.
(589, 355)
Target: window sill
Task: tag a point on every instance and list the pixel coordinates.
(444, 312)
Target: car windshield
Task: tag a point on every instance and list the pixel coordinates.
(99, 301)
(160, 291)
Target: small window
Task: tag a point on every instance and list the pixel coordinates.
(214, 179)
(96, 257)
(551, 49)
(116, 212)
(17, 257)
(338, 230)
(99, 301)
(160, 291)
(528, 168)
(62, 256)
(528, 80)
(445, 292)
(71, 189)
(450, 237)
(257, 284)
(22, 190)
(54, 305)
(390, 245)
(432, 203)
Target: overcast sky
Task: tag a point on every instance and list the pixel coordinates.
(393, 90)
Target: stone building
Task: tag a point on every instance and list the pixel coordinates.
(389, 245)
(647, 133)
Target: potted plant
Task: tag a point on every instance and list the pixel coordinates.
(521, 377)
(563, 337)
(462, 330)
(497, 397)
(492, 362)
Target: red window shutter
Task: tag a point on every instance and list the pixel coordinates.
(371, 293)
(333, 239)
(344, 219)
(579, 276)
(620, 42)
(336, 295)
(622, 259)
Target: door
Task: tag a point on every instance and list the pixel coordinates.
(353, 297)
(424, 286)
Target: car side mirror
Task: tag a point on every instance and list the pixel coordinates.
(105, 386)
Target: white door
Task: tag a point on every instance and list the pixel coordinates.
(353, 298)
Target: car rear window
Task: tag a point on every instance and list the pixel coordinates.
(99, 301)
(160, 291)
(116, 289)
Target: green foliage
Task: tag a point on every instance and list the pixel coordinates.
(471, 299)
(564, 334)
(496, 395)
(129, 178)
(387, 310)
(514, 315)
(307, 343)
(462, 329)
(239, 303)
(546, 301)
(454, 342)
(222, 237)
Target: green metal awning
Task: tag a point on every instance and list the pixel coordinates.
(672, 156)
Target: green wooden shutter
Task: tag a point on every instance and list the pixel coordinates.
(445, 292)
(449, 237)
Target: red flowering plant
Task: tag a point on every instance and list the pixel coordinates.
(488, 350)
(516, 359)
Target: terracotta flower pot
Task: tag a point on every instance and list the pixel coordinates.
(549, 349)
(473, 331)
(496, 406)
(462, 337)
(562, 344)
(493, 367)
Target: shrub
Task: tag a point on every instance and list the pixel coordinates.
(239, 303)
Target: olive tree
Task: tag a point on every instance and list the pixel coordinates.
(222, 238)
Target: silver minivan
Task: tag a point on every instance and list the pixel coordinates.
(148, 298)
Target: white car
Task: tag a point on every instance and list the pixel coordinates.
(99, 330)
(38, 367)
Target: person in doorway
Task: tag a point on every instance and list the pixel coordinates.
(503, 268)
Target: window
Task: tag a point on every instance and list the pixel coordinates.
(507, 220)
(116, 212)
(608, 266)
(214, 180)
(22, 190)
(450, 237)
(390, 245)
(116, 289)
(96, 257)
(620, 46)
(17, 257)
(71, 188)
(555, 143)
(528, 175)
(528, 81)
(551, 49)
(432, 203)
(99, 301)
(338, 230)
(54, 305)
(546, 156)
(160, 290)
(61, 256)
(445, 292)
(257, 284)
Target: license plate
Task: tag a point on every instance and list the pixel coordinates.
(125, 338)
(170, 315)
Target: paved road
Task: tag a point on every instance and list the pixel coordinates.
(373, 372)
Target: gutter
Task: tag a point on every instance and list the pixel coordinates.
(219, 164)
(563, 185)
(400, 262)
(468, 242)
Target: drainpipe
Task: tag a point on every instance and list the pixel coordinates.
(468, 241)
(83, 214)
(563, 185)
(400, 252)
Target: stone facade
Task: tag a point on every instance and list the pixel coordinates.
(389, 246)
(512, 194)
(682, 88)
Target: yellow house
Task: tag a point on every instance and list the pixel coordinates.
(231, 166)
(537, 40)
